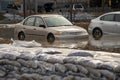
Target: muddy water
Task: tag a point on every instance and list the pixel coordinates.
(106, 41)
(67, 43)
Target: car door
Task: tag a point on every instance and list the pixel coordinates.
(29, 28)
(108, 24)
(117, 24)
(40, 28)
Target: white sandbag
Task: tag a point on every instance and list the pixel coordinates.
(8, 62)
(41, 57)
(80, 53)
(86, 61)
(60, 68)
(70, 59)
(29, 64)
(8, 56)
(47, 66)
(46, 78)
(54, 59)
(82, 69)
(55, 77)
(94, 72)
(112, 66)
(2, 73)
(108, 74)
(71, 67)
(51, 51)
(69, 78)
(26, 55)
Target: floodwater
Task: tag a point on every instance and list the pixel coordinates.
(67, 43)
(107, 41)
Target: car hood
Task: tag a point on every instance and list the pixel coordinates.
(68, 29)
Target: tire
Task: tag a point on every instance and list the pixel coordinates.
(50, 38)
(97, 33)
(21, 36)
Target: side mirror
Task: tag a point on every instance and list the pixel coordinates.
(42, 26)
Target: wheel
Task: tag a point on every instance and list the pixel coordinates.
(21, 36)
(50, 38)
(97, 34)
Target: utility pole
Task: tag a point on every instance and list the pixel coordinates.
(71, 10)
(36, 6)
(88, 2)
(24, 9)
(102, 5)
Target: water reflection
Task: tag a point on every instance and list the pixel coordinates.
(106, 41)
(67, 43)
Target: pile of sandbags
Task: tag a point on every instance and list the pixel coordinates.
(16, 64)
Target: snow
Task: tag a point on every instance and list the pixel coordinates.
(13, 16)
(26, 44)
(80, 16)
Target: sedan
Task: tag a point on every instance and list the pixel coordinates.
(107, 24)
(47, 27)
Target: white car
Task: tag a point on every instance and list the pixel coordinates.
(47, 27)
(78, 7)
(107, 24)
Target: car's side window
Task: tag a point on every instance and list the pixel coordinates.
(29, 21)
(109, 17)
(39, 22)
(117, 17)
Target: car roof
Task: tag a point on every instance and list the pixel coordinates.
(116, 12)
(47, 15)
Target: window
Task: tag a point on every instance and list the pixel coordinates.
(109, 17)
(39, 22)
(117, 17)
(56, 21)
(29, 21)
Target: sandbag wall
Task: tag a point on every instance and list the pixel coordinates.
(47, 66)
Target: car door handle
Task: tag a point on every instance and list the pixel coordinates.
(24, 28)
(101, 23)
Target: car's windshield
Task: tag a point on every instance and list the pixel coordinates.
(55, 21)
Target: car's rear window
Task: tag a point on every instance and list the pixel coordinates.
(108, 17)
